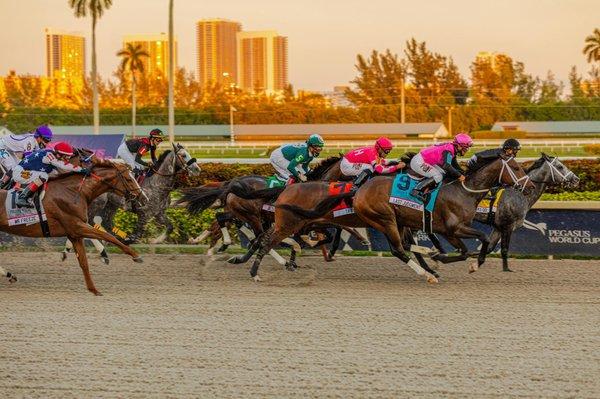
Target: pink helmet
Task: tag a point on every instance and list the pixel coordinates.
(384, 143)
(463, 140)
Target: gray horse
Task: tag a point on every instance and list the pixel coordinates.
(514, 204)
(169, 167)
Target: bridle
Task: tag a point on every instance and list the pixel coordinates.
(555, 172)
(505, 167)
(179, 161)
(129, 195)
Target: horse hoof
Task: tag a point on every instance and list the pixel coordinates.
(96, 292)
(436, 274)
(138, 260)
(11, 278)
(104, 260)
(256, 279)
(508, 270)
(63, 256)
(473, 267)
(432, 279)
(291, 266)
(330, 259)
(234, 260)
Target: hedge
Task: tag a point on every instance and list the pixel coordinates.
(189, 226)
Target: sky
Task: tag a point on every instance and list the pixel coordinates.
(324, 35)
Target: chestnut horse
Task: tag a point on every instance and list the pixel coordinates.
(66, 202)
(452, 216)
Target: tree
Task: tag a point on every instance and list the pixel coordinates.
(132, 61)
(95, 8)
(592, 46)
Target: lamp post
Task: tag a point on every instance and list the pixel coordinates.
(232, 109)
(449, 109)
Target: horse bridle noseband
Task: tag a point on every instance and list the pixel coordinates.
(554, 171)
(127, 194)
(516, 180)
(185, 166)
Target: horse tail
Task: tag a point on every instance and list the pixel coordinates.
(243, 191)
(199, 199)
(321, 209)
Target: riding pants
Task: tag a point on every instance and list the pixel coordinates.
(353, 169)
(8, 160)
(280, 164)
(424, 169)
(24, 176)
(124, 154)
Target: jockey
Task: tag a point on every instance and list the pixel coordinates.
(292, 160)
(14, 146)
(36, 167)
(436, 161)
(131, 151)
(362, 162)
(509, 148)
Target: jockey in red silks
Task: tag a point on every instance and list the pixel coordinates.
(438, 160)
(363, 162)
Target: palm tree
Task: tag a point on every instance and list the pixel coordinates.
(132, 61)
(95, 8)
(171, 77)
(592, 46)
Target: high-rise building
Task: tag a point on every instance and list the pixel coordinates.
(65, 54)
(216, 46)
(262, 61)
(157, 47)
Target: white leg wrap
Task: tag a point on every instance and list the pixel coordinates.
(202, 236)
(247, 232)
(97, 244)
(226, 236)
(211, 250)
(68, 245)
(293, 243)
(277, 257)
(415, 266)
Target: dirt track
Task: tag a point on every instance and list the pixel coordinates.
(182, 326)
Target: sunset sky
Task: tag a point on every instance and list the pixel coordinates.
(324, 35)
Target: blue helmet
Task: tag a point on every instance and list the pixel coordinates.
(44, 132)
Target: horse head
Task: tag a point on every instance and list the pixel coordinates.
(184, 161)
(551, 170)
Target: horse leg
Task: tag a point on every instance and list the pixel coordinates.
(291, 264)
(334, 245)
(83, 263)
(162, 219)
(411, 240)
(456, 243)
(87, 231)
(504, 245)
(11, 277)
(68, 248)
(465, 231)
(223, 218)
(101, 250)
(436, 243)
(268, 241)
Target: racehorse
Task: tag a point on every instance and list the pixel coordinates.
(452, 216)
(66, 202)
(513, 205)
(170, 166)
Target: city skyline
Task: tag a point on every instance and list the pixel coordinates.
(326, 37)
(157, 47)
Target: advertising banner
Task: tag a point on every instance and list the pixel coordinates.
(104, 145)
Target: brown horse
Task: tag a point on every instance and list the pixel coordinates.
(66, 203)
(452, 217)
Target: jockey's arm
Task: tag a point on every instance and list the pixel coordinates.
(138, 159)
(294, 163)
(62, 166)
(153, 154)
(384, 168)
(450, 165)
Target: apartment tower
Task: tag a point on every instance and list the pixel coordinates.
(216, 51)
(65, 54)
(262, 61)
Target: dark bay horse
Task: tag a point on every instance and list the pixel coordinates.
(66, 202)
(513, 205)
(452, 217)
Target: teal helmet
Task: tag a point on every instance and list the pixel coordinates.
(315, 141)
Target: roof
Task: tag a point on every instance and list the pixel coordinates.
(550, 126)
(438, 129)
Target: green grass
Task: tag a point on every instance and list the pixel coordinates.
(240, 152)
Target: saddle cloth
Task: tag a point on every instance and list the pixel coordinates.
(274, 181)
(400, 194)
(485, 206)
(344, 208)
(28, 216)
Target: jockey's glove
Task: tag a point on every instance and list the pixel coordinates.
(302, 177)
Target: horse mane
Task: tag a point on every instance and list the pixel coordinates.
(323, 166)
(471, 169)
(161, 159)
(407, 157)
(536, 165)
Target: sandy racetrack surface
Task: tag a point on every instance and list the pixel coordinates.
(188, 326)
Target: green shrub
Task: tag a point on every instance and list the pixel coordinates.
(572, 196)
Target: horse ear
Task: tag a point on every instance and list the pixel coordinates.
(544, 155)
(174, 148)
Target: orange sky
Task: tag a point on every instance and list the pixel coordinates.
(325, 35)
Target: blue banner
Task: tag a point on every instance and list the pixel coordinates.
(104, 145)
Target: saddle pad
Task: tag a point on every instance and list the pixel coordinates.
(273, 181)
(343, 208)
(17, 216)
(484, 204)
(268, 207)
(400, 195)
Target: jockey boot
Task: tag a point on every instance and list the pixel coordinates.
(418, 191)
(361, 179)
(23, 198)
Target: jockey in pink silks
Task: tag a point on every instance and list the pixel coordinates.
(438, 160)
(363, 162)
